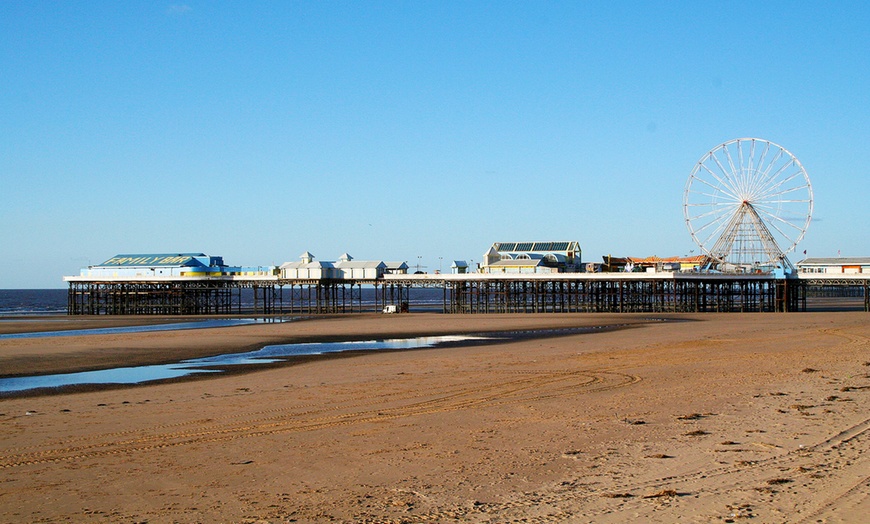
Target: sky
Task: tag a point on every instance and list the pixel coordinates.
(409, 130)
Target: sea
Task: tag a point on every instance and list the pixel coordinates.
(53, 301)
(33, 302)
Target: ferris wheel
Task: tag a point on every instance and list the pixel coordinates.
(747, 203)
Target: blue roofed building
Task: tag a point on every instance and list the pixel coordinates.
(157, 265)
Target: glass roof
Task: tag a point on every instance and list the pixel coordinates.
(536, 246)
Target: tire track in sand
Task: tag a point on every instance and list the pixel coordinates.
(837, 464)
(529, 387)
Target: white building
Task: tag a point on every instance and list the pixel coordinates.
(396, 268)
(307, 268)
(351, 269)
(839, 265)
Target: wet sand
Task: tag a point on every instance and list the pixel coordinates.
(716, 419)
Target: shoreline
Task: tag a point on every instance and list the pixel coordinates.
(487, 338)
(75, 353)
(761, 415)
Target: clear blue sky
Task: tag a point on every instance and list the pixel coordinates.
(398, 130)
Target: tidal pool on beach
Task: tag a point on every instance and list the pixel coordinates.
(214, 364)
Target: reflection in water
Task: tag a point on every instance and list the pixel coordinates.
(266, 355)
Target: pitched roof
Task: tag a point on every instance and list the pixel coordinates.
(536, 246)
(307, 265)
(357, 264)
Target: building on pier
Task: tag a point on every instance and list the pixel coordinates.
(459, 267)
(351, 269)
(345, 268)
(307, 268)
(157, 284)
(396, 268)
(532, 257)
(170, 265)
(156, 265)
(653, 264)
(839, 265)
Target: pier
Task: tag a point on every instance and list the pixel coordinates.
(472, 293)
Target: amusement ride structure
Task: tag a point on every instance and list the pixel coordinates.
(748, 203)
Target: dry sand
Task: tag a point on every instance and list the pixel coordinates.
(720, 418)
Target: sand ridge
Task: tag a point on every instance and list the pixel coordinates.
(724, 418)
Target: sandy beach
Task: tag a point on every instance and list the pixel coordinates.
(669, 418)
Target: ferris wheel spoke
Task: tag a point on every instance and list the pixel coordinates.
(719, 198)
(716, 214)
(791, 235)
(759, 179)
(781, 179)
(705, 210)
(798, 203)
(769, 172)
(710, 230)
(711, 202)
(785, 182)
(767, 177)
(729, 177)
(761, 161)
(787, 214)
(777, 190)
(740, 162)
(718, 226)
(777, 221)
(724, 182)
(782, 203)
(742, 171)
(751, 163)
(791, 240)
(735, 173)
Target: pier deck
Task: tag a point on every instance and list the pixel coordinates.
(462, 293)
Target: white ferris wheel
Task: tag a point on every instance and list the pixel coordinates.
(747, 204)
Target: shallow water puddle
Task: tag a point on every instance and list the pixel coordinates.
(266, 355)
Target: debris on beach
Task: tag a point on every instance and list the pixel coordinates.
(617, 495)
(660, 456)
(778, 481)
(665, 493)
